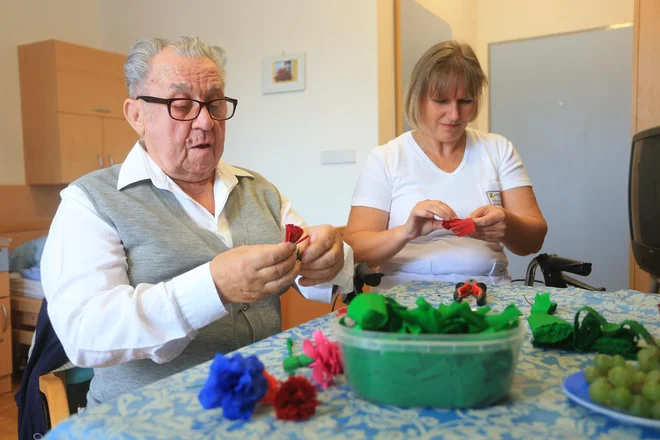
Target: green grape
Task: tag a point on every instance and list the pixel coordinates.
(653, 376)
(648, 359)
(603, 363)
(621, 398)
(640, 407)
(591, 374)
(600, 391)
(618, 361)
(639, 377)
(651, 391)
(620, 377)
(655, 410)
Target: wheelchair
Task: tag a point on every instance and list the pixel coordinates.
(552, 267)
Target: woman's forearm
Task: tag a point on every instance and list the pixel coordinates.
(524, 234)
(376, 248)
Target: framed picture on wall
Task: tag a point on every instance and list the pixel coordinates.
(284, 73)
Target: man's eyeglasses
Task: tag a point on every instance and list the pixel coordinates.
(184, 109)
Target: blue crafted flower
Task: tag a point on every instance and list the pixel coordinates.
(236, 384)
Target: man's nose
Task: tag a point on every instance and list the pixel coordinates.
(204, 121)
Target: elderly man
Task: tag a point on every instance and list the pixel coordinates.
(153, 266)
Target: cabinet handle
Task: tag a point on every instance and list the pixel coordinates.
(101, 110)
(100, 161)
(112, 162)
(5, 320)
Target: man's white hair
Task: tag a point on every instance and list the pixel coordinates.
(138, 63)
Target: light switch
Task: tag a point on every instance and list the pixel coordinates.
(337, 156)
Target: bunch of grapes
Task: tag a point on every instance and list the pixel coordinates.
(628, 387)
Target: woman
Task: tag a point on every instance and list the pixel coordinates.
(443, 170)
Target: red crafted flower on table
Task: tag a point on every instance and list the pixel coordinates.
(327, 359)
(296, 399)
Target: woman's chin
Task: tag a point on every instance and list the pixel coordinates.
(446, 136)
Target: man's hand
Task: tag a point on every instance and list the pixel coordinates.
(322, 257)
(250, 273)
(491, 223)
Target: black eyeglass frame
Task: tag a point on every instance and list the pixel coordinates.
(202, 104)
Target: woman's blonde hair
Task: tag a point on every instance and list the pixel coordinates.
(439, 71)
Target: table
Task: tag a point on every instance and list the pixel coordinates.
(537, 409)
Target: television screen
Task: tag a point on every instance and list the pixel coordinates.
(644, 199)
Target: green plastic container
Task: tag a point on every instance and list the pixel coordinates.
(430, 371)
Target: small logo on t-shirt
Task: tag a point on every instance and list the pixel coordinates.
(494, 197)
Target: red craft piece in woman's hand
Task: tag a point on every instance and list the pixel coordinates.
(460, 227)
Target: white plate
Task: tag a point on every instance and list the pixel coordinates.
(576, 388)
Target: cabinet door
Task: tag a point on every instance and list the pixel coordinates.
(5, 337)
(4, 283)
(118, 139)
(89, 81)
(81, 146)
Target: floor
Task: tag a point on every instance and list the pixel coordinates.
(9, 415)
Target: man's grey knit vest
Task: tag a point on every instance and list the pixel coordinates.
(161, 241)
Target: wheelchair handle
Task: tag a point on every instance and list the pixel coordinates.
(553, 267)
(556, 263)
(364, 273)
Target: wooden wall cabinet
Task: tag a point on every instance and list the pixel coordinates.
(72, 101)
(6, 366)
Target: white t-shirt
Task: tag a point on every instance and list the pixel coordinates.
(399, 174)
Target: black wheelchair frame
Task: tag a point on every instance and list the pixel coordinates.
(552, 266)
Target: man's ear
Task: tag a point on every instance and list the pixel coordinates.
(134, 114)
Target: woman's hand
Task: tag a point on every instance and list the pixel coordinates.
(490, 222)
(422, 219)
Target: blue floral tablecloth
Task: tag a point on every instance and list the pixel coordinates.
(538, 408)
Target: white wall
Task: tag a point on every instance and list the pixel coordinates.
(28, 21)
(482, 22)
(281, 135)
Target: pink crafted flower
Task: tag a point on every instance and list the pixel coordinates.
(327, 358)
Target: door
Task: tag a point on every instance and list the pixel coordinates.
(565, 104)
